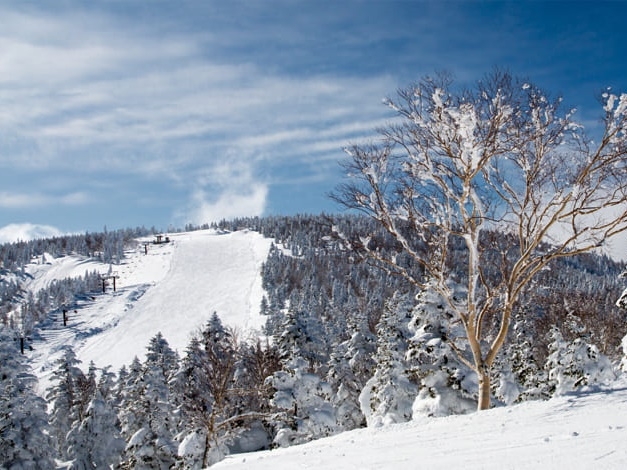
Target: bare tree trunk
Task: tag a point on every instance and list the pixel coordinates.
(205, 455)
(483, 403)
(446, 174)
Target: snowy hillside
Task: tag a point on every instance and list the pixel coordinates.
(583, 431)
(173, 288)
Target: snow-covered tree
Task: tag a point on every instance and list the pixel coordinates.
(67, 398)
(622, 303)
(24, 439)
(301, 335)
(521, 378)
(152, 444)
(575, 364)
(350, 366)
(129, 393)
(96, 442)
(446, 384)
(195, 403)
(460, 159)
(306, 398)
(623, 362)
(389, 394)
(215, 404)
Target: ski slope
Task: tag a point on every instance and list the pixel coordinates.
(577, 432)
(173, 288)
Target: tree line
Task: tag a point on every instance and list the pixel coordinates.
(348, 345)
(471, 279)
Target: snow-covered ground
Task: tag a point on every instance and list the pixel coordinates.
(583, 431)
(173, 289)
(177, 286)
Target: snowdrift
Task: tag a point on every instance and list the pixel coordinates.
(583, 431)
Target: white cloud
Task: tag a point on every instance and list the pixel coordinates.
(226, 190)
(231, 203)
(10, 200)
(157, 105)
(20, 201)
(24, 232)
(108, 91)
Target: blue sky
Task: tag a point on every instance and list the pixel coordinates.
(157, 113)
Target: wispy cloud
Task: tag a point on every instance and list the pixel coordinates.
(81, 93)
(145, 98)
(10, 200)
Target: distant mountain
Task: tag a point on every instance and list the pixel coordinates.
(25, 232)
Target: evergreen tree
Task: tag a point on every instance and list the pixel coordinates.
(152, 445)
(446, 383)
(191, 387)
(301, 335)
(388, 395)
(96, 443)
(522, 378)
(623, 362)
(65, 398)
(24, 439)
(220, 394)
(351, 365)
(130, 394)
(306, 398)
(575, 364)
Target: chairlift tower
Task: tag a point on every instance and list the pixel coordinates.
(105, 277)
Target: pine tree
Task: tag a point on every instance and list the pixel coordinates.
(351, 365)
(96, 442)
(575, 364)
(388, 396)
(152, 445)
(301, 335)
(130, 393)
(65, 398)
(446, 383)
(195, 403)
(213, 401)
(522, 378)
(306, 398)
(24, 439)
(623, 362)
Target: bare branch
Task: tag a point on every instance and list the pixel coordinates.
(501, 156)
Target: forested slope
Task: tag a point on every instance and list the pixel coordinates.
(344, 345)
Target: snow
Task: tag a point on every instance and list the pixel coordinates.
(583, 431)
(177, 286)
(45, 269)
(173, 289)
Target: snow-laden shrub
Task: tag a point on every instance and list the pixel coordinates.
(576, 364)
(194, 449)
(306, 398)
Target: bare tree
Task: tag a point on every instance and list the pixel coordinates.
(499, 170)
